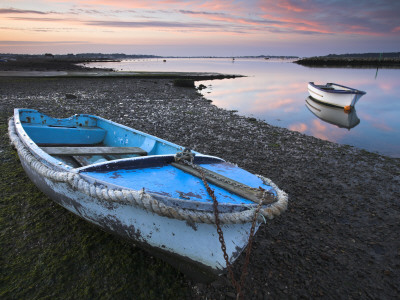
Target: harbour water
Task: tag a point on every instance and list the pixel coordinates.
(276, 91)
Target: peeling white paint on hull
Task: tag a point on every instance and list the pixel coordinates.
(180, 243)
(173, 218)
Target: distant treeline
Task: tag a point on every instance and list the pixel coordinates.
(119, 56)
(368, 60)
(241, 56)
(116, 55)
(367, 55)
(79, 56)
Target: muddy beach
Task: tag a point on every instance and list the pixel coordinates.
(339, 238)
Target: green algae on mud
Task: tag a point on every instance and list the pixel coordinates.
(47, 252)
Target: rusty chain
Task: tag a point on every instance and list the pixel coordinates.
(219, 230)
(238, 285)
(187, 158)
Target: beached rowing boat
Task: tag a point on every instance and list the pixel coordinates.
(335, 94)
(333, 115)
(144, 188)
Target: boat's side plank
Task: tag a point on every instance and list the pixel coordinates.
(75, 151)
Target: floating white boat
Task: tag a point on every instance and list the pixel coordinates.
(333, 115)
(144, 188)
(335, 94)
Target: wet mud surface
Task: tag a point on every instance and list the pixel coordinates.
(339, 238)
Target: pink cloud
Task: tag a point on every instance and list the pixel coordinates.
(260, 25)
(161, 4)
(382, 126)
(220, 6)
(379, 124)
(285, 4)
(387, 86)
(281, 103)
(300, 127)
(318, 130)
(330, 17)
(319, 126)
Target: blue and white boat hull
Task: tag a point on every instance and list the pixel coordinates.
(141, 198)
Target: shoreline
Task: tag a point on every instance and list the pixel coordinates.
(75, 69)
(338, 238)
(119, 74)
(351, 62)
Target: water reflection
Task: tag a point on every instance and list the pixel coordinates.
(274, 91)
(333, 115)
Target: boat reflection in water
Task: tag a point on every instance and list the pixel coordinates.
(333, 115)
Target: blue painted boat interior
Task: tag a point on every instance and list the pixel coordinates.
(169, 181)
(43, 134)
(152, 172)
(90, 130)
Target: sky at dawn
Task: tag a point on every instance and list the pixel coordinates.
(200, 28)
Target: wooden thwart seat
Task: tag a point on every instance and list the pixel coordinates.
(76, 151)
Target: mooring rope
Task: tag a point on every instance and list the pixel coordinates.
(141, 198)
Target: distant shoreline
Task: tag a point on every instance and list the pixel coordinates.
(49, 67)
(75, 65)
(48, 64)
(373, 60)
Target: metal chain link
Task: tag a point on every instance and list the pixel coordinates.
(219, 231)
(238, 285)
(248, 249)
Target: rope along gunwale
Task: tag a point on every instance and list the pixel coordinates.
(141, 198)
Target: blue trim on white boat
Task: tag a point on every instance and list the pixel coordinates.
(335, 91)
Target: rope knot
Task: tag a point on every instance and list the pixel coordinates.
(186, 154)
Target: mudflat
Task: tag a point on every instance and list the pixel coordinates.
(339, 238)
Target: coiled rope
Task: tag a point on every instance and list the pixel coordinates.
(141, 198)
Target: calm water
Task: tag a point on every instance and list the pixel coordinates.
(276, 91)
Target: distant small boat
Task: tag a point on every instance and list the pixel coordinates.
(333, 115)
(335, 94)
(144, 188)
